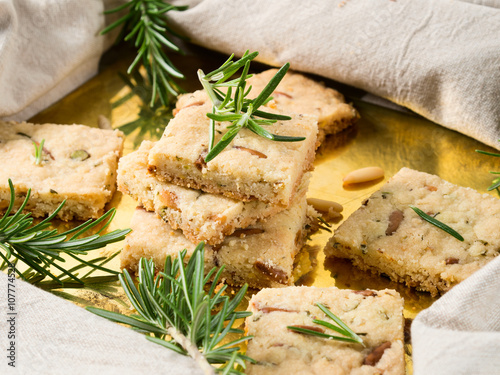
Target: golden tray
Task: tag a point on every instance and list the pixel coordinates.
(383, 137)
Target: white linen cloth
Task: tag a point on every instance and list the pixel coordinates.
(47, 49)
(438, 58)
(56, 337)
(460, 333)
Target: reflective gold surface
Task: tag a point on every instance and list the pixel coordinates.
(383, 137)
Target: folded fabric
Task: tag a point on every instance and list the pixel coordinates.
(53, 336)
(439, 58)
(460, 333)
(47, 49)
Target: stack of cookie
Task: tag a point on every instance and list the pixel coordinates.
(248, 204)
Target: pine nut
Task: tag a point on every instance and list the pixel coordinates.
(363, 175)
(252, 151)
(282, 94)
(395, 219)
(324, 205)
(103, 122)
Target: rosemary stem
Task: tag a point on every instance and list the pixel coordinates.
(193, 328)
(192, 350)
(237, 109)
(145, 26)
(208, 88)
(211, 140)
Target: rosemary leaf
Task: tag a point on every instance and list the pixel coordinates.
(253, 126)
(120, 318)
(176, 312)
(323, 224)
(38, 151)
(233, 106)
(271, 86)
(222, 144)
(346, 329)
(271, 116)
(342, 328)
(437, 223)
(495, 184)
(488, 153)
(320, 334)
(41, 249)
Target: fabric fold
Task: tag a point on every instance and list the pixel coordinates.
(54, 336)
(460, 333)
(440, 59)
(47, 49)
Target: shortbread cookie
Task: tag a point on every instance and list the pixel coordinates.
(78, 165)
(249, 168)
(261, 255)
(201, 216)
(299, 94)
(377, 316)
(295, 94)
(386, 236)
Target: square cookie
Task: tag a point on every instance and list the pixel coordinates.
(78, 164)
(250, 168)
(261, 255)
(387, 237)
(295, 94)
(377, 316)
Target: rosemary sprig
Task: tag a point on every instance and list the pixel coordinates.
(234, 106)
(40, 248)
(495, 184)
(175, 311)
(437, 223)
(35, 278)
(38, 151)
(146, 24)
(487, 153)
(347, 334)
